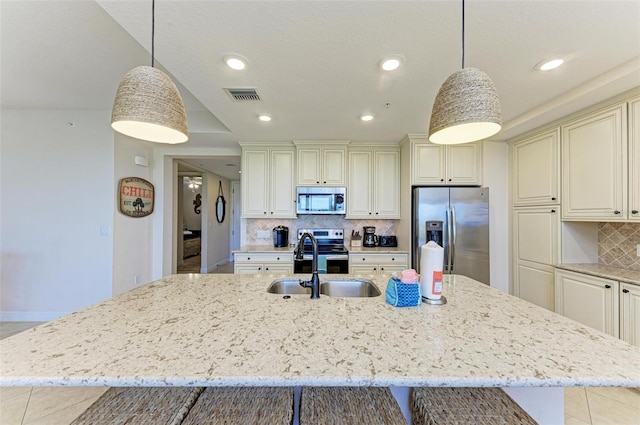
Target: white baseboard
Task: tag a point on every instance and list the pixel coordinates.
(30, 316)
(212, 268)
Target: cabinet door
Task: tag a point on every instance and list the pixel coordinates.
(634, 160)
(270, 268)
(247, 268)
(333, 166)
(590, 300)
(428, 164)
(536, 165)
(364, 269)
(386, 184)
(255, 180)
(594, 166)
(309, 167)
(535, 234)
(630, 313)
(533, 282)
(464, 164)
(359, 195)
(282, 186)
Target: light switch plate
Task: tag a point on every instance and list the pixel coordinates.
(638, 250)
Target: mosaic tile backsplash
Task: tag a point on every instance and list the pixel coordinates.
(617, 245)
(383, 227)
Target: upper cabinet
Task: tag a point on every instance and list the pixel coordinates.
(445, 164)
(634, 159)
(267, 181)
(536, 169)
(321, 163)
(594, 166)
(374, 183)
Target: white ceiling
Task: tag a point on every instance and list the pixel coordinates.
(315, 63)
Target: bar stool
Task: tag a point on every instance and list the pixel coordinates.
(140, 406)
(349, 406)
(243, 406)
(481, 406)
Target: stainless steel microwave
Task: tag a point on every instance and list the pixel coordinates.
(320, 200)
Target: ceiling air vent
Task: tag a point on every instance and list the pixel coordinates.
(243, 95)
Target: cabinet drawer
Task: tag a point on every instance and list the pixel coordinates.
(378, 259)
(263, 258)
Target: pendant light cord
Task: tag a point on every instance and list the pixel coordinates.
(153, 30)
(462, 34)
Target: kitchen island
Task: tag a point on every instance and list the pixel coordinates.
(226, 330)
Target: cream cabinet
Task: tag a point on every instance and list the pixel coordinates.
(535, 246)
(262, 263)
(590, 300)
(536, 169)
(267, 180)
(630, 313)
(321, 163)
(445, 164)
(373, 190)
(634, 159)
(377, 263)
(594, 166)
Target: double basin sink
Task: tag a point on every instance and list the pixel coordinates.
(332, 287)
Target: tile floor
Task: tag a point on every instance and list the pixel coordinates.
(61, 405)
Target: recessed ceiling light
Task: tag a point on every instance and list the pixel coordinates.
(549, 64)
(235, 62)
(366, 117)
(391, 62)
(264, 117)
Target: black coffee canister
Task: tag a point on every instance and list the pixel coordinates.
(280, 236)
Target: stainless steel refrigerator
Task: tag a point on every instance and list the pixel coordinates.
(457, 218)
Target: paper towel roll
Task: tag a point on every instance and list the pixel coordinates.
(431, 261)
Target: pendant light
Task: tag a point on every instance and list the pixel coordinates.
(148, 105)
(466, 108)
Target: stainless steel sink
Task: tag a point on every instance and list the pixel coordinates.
(332, 287)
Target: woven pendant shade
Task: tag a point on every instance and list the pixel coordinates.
(148, 106)
(466, 109)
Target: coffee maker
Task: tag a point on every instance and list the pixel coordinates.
(369, 239)
(280, 236)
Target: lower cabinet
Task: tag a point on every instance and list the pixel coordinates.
(534, 283)
(377, 263)
(261, 263)
(587, 299)
(630, 313)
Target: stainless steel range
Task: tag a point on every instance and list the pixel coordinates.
(333, 257)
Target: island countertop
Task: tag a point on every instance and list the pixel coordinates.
(226, 330)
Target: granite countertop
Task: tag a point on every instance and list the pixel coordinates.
(376, 250)
(263, 249)
(225, 330)
(607, 272)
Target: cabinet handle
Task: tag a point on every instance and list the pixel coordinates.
(324, 182)
(264, 212)
(375, 268)
(363, 259)
(616, 212)
(278, 258)
(449, 179)
(369, 212)
(634, 211)
(259, 268)
(381, 268)
(553, 199)
(441, 180)
(393, 259)
(376, 212)
(317, 182)
(626, 291)
(266, 268)
(607, 286)
(553, 211)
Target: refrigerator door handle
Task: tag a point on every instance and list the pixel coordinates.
(449, 240)
(453, 238)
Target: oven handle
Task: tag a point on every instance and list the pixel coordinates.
(327, 257)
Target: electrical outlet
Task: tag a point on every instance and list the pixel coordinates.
(638, 250)
(136, 280)
(264, 234)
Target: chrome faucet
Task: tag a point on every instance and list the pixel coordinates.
(314, 283)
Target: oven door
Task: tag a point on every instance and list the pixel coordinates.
(327, 264)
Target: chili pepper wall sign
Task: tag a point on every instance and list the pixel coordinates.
(135, 197)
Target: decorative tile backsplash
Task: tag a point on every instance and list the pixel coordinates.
(617, 245)
(383, 227)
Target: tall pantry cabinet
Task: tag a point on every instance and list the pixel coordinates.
(535, 186)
